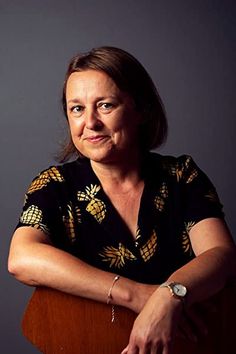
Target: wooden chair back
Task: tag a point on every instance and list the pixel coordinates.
(56, 322)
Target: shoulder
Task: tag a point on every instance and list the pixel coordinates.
(55, 174)
(44, 178)
(182, 167)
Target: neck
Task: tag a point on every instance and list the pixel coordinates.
(118, 176)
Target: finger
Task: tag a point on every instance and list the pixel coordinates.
(125, 351)
(131, 350)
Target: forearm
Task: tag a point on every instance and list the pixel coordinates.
(44, 265)
(206, 274)
(41, 264)
(162, 316)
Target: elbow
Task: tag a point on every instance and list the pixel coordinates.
(23, 262)
(14, 267)
(19, 269)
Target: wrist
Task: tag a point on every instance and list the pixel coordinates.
(140, 294)
(123, 292)
(131, 294)
(176, 290)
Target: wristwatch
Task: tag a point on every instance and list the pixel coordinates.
(177, 290)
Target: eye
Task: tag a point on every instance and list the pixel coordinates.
(106, 106)
(77, 109)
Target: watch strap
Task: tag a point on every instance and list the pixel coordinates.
(170, 285)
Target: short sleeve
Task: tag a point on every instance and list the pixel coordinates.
(201, 200)
(41, 208)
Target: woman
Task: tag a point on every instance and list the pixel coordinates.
(119, 221)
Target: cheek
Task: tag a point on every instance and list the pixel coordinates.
(116, 124)
(76, 127)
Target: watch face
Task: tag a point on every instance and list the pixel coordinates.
(179, 290)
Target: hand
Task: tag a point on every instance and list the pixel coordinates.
(155, 327)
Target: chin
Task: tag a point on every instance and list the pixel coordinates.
(108, 154)
(96, 156)
(105, 158)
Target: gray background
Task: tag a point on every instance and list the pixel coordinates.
(187, 46)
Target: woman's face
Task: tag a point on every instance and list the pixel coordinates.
(103, 120)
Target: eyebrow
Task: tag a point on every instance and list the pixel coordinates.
(77, 100)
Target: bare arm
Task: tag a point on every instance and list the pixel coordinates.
(214, 265)
(34, 261)
(215, 262)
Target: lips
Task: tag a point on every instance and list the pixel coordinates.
(95, 138)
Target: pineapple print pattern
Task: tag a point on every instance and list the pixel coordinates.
(117, 256)
(138, 236)
(174, 168)
(177, 169)
(159, 200)
(33, 216)
(212, 196)
(95, 207)
(69, 221)
(149, 248)
(186, 244)
(159, 203)
(194, 174)
(25, 199)
(44, 178)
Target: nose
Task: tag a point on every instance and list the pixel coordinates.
(92, 120)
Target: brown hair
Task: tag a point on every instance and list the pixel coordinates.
(129, 76)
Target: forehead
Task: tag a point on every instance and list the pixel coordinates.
(90, 81)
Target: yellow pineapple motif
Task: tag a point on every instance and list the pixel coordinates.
(189, 225)
(69, 221)
(176, 171)
(187, 161)
(186, 244)
(159, 200)
(212, 196)
(159, 203)
(117, 256)
(95, 207)
(33, 216)
(44, 178)
(149, 248)
(172, 168)
(194, 174)
(164, 190)
(25, 199)
(137, 237)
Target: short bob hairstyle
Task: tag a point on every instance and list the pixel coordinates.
(131, 77)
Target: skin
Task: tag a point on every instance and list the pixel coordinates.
(102, 119)
(104, 124)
